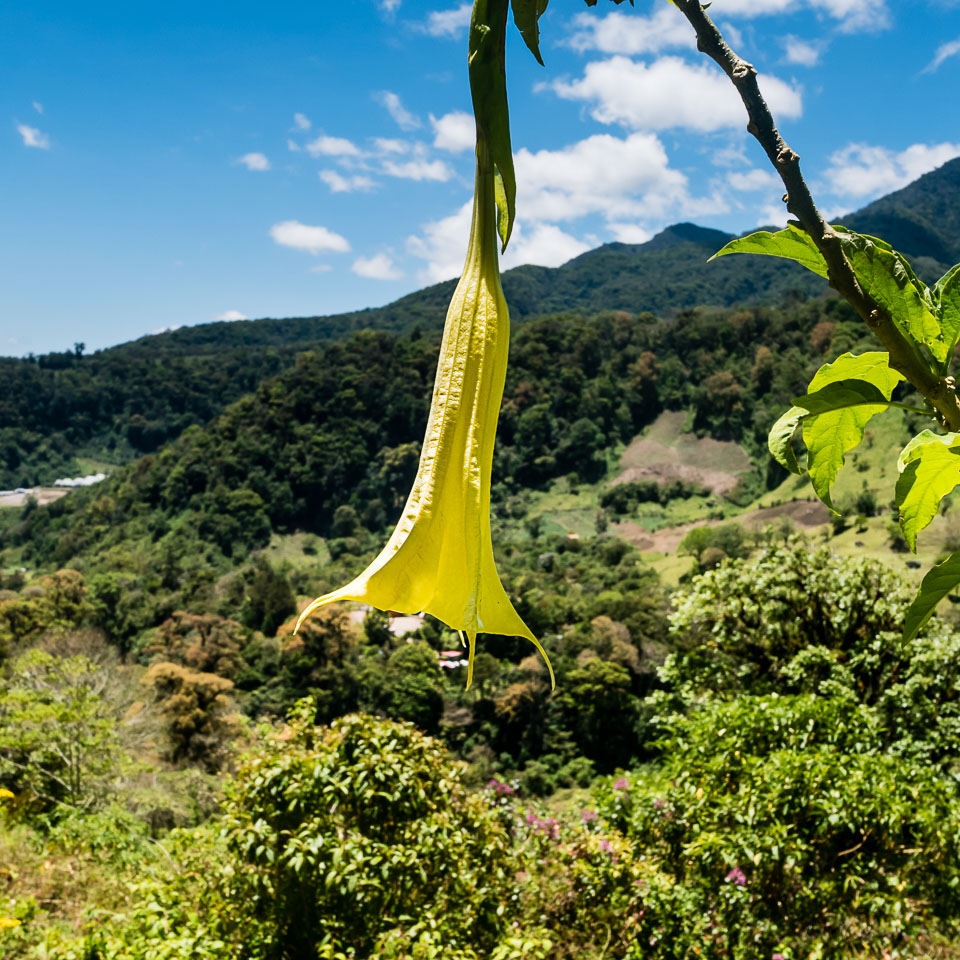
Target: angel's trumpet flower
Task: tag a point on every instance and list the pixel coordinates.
(439, 558)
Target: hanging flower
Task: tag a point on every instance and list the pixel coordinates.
(439, 558)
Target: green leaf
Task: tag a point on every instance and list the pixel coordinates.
(488, 88)
(929, 470)
(943, 578)
(791, 244)
(887, 277)
(831, 433)
(946, 295)
(526, 14)
(781, 433)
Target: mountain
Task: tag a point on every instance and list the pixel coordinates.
(129, 400)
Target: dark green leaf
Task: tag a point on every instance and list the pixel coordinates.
(526, 14)
(488, 88)
(943, 578)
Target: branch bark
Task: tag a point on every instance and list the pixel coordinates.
(938, 391)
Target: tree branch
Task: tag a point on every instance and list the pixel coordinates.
(904, 356)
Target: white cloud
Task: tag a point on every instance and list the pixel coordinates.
(443, 244)
(377, 267)
(944, 52)
(419, 170)
(387, 145)
(629, 232)
(774, 215)
(37, 106)
(302, 121)
(547, 246)
(293, 145)
(448, 23)
(340, 184)
(748, 180)
(404, 119)
(321, 268)
(231, 315)
(852, 14)
(301, 236)
(631, 34)
(32, 137)
(860, 170)
(254, 161)
(332, 147)
(800, 52)
(455, 131)
(601, 174)
(669, 92)
(390, 6)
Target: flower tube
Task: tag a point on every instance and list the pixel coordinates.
(439, 558)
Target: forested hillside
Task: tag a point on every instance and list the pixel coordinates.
(119, 403)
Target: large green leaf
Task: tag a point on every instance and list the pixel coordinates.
(791, 244)
(943, 578)
(887, 277)
(526, 14)
(946, 295)
(488, 87)
(929, 470)
(831, 432)
(781, 434)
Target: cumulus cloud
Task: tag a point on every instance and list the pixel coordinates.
(602, 174)
(254, 161)
(231, 315)
(389, 6)
(630, 34)
(325, 146)
(860, 170)
(944, 52)
(419, 169)
(377, 267)
(302, 121)
(629, 232)
(302, 236)
(546, 245)
(627, 182)
(749, 180)
(800, 52)
(387, 145)
(32, 137)
(403, 118)
(340, 184)
(853, 15)
(669, 92)
(455, 131)
(448, 23)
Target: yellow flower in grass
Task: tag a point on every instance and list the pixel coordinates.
(439, 558)
(8, 923)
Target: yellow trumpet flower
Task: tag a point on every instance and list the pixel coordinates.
(439, 558)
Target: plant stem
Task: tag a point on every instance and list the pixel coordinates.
(937, 390)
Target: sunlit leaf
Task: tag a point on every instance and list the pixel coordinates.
(929, 470)
(946, 294)
(781, 434)
(889, 279)
(937, 584)
(831, 433)
(790, 244)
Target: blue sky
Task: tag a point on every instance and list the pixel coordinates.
(172, 164)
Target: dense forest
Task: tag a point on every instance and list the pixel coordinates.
(750, 763)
